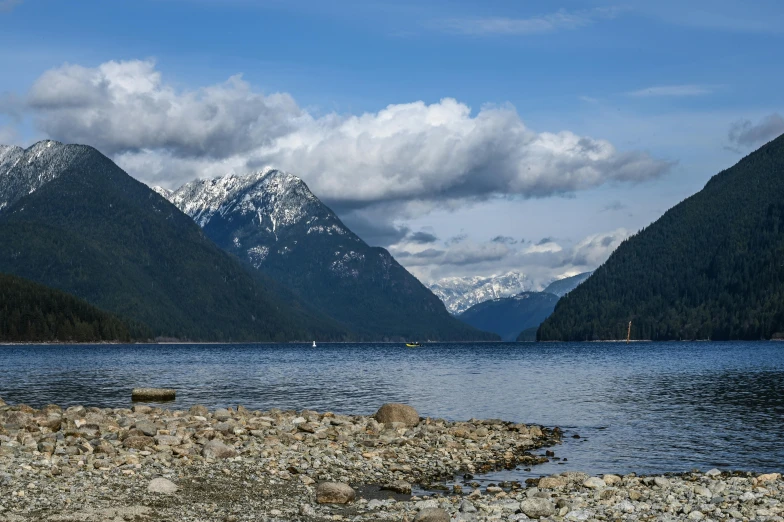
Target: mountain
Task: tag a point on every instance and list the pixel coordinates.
(508, 316)
(461, 293)
(712, 267)
(273, 222)
(561, 287)
(73, 220)
(30, 312)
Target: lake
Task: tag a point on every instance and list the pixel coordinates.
(641, 407)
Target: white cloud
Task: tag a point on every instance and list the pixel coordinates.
(407, 158)
(673, 91)
(546, 23)
(745, 134)
(542, 262)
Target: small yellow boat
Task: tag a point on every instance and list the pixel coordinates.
(413, 345)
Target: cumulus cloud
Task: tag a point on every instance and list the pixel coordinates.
(431, 154)
(744, 134)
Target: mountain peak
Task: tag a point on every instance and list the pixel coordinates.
(461, 293)
(270, 191)
(23, 171)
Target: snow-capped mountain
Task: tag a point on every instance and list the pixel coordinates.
(23, 171)
(461, 293)
(275, 223)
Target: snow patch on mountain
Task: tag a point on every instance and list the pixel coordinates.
(275, 198)
(23, 171)
(461, 293)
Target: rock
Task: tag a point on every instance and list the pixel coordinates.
(713, 472)
(199, 410)
(162, 485)
(553, 481)
(139, 442)
(611, 480)
(307, 510)
(393, 412)
(467, 507)
(334, 493)
(594, 483)
(696, 515)
(432, 515)
(537, 507)
(153, 394)
(703, 491)
(222, 414)
(399, 486)
(215, 449)
(625, 506)
(768, 477)
(147, 428)
(662, 482)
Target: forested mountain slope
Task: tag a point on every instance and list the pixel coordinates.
(73, 220)
(712, 267)
(30, 312)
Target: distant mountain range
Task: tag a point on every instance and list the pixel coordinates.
(517, 317)
(461, 293)
(275, 224)
(712, 267)
(509, 316)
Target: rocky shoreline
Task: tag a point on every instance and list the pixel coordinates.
(148, 463)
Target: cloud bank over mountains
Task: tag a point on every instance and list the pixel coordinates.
(376, 169)
(404, 152)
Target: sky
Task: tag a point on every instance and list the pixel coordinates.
(467, 137)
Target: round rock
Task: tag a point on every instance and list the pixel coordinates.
(162, 485)
(394, 412)
(215, 449)
(334, 493)
(537, 507)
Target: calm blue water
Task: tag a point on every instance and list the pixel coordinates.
(643, 407)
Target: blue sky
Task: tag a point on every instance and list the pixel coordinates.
(657, 97)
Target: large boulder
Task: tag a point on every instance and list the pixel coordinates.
(153, 394)
(334, 493)
(394, 412)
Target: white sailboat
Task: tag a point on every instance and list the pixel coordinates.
(314, 344)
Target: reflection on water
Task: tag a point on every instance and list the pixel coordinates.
(645, 407)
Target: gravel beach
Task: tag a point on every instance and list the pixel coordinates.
(149, 463)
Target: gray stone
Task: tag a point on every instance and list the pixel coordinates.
(334, 493)
(222, 414)
(162, 485)
(537, 507)
(147, 428)
(467, 507)
(662, 482)
(215, 449)
(432, 515)
(703, 491)
(594, 483)
(393, 412)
